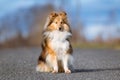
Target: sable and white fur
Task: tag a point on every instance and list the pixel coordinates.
(56, 55)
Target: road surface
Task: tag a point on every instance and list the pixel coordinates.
(89, 64)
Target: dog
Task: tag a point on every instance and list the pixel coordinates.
(56, 55)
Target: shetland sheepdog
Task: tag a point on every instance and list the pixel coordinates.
(56, 55)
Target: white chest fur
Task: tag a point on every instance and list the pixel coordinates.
(59, 43)
(60, 47)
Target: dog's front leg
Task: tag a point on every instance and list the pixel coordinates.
(54, 64)
(52, 61)
(65, 64)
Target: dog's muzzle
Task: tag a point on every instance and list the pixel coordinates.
(61, 29)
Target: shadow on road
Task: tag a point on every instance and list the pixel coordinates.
(94, 70)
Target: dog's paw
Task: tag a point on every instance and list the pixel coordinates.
(54, 71)
(68, 71)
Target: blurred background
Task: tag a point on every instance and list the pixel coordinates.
(94, 23)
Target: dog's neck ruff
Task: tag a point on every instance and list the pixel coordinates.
(57, 35)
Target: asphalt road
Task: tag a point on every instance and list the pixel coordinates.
(89, 64)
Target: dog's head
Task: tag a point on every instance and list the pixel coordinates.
(59, 28)
(59, 23)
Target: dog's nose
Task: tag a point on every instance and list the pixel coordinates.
(60, 28)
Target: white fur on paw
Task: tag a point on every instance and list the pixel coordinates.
(68, 71)
(55, 71)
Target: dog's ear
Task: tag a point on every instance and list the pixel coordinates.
(62, 13)
(52, 15)
(50, 19)
(63, 16)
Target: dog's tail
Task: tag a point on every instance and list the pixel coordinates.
(43, 67)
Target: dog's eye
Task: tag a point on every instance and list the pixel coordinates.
(56, 22)
(61, 22)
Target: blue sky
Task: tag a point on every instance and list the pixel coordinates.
(90, 11)
(99, 10)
